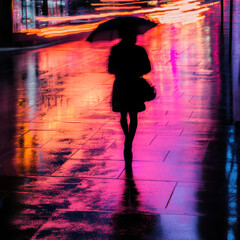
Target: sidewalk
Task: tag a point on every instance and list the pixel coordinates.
(61, 148)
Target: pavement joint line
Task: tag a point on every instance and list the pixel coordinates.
(190, 99)
(24, 133)
(88, 177)
(74, 154)
(171, 195)
(190, 115)
(159, 212)
(181, 132)
(111, 144)
(61, 165)
(121, 173)
(95, 132)
(42, 130)
(38, 115)
(166, 156)
(97, 159)
(98, 178)
(46, 142)
(114, 160)
(105, 211)
(153, 139)
(205, 150)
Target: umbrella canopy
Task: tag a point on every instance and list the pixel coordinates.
(109, 30)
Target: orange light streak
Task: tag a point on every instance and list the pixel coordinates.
(62, 31)
(101, 15)
(82, 17)
(111, 1)
(118, 4)
(165, 7)
(116, 8)
(184, 12)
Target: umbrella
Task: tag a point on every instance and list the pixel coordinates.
(109, 30)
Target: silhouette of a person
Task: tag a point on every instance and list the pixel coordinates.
(128, 62)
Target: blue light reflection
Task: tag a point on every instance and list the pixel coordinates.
(231, 174)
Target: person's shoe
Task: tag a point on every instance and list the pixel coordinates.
(128, 159)
(129, 171)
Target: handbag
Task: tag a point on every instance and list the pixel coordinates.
(147, 92)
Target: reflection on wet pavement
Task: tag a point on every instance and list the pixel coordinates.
(61, 147)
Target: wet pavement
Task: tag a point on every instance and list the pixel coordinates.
(62, 171)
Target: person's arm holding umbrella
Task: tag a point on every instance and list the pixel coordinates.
(144, 64)
(112, 66)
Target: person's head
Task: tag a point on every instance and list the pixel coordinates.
(128, 34)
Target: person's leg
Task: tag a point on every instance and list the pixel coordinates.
(132, 125)
(129, 139)
(123, 122)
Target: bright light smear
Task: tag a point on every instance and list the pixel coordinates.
(118, 4)
(183, 12)
(111, 1)
(81, 17)
(110, 8)
(63, 30)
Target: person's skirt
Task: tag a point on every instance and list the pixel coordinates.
(126, 97)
